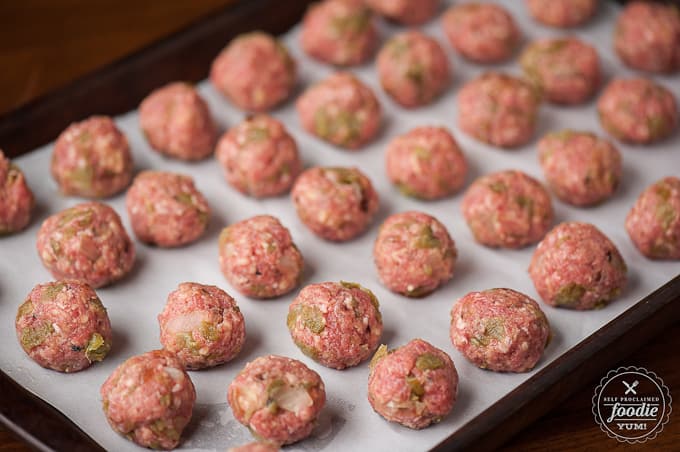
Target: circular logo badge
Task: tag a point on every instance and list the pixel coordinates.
(631, 404)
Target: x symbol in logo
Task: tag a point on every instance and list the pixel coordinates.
(631, 387)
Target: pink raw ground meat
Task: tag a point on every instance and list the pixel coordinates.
(637, 110)
(202, 325)
(406, 12)
(414, 254)
(581, 168)
(176, 121)
(507, 209)
(258, 257)
(341, 110)
(653, 223)
(426, 163)
(562, 13)
(499, 329)
(16, 198)
(63, 326)
(336, 324)
(337, 204)
(259, 157)
(415, 385)
(255, 71)
(481, 32)
(279, 399)
(149, 399)
(339, 32)
(577, 267)
(413, 69)
(166, 209)
(92, 159)
(86, 242)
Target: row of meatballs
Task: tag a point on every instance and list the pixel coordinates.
(149, 398)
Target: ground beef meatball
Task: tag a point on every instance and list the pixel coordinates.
(63, 326)
(426, 163)
(16, 198)
(637, 110)
(653, 223)
(580, 168)
(562, 13)
(337, 204)
(202, 325)
(576, 266)
(259, 158)
(86, 242)
(279, 399)
(149, 399)
(508, 209)
(565, 70)
(647, 36)
(415, 385)
(254, 447)
(176, 122)
(255, 71)
(339, 32)
(414, 254)
(406, 12)
(498, 109)
(92, 159)
(340, 110)
(499, 329)
(258, 257)
(413, 69)
(166, 209)
(336, 324)
(481, 32)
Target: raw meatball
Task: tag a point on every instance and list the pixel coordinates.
(16, 199)
(481, 32)
(63, 326)
(166, 209)
(653, 223)
(202, 325)
(92, 159)
(414, 254)
(254, 447)
(426, 163)
(647, 36)
(176, 121)
(341, 110)
(413, 69)
(498, 109)
(149, 399)
(406, 12)
(259, 157)
(562, 13)
(339, 32)
(337, 204)
(637, 110)
(258, 257)
(336, 324)
(277, 398)
(499, 329)
(507, 209)
(576, 266)
(580, 168)
(86, 242)
(566, 70)
(255, 71)
(415, 385)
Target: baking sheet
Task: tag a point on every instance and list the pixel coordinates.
(347, 421)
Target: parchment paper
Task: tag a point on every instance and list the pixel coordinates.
(347, 422)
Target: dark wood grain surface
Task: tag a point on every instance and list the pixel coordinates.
(45, 45)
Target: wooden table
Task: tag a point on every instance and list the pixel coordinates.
(46, 44)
